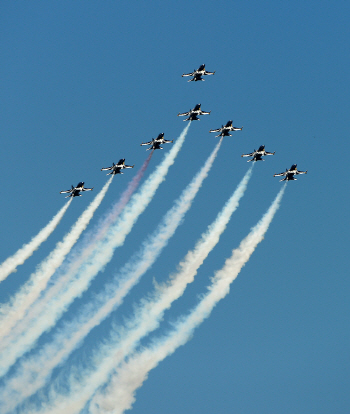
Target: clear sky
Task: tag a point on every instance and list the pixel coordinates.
(84, 83)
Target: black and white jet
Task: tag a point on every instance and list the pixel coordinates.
(116, 168)
(289, 174)
(75, 191)
(225, 130)
(193, 113)
(156, 142)
(258, 154)
(197, 74)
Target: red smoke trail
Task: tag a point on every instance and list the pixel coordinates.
(118, 208)
(93, 237)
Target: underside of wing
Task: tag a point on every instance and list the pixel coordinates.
(192, 117)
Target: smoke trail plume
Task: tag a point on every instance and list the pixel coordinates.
(119, 393)
(33, 371)
(43, 318)
(146, 317)
(10, 264)
(15, 310)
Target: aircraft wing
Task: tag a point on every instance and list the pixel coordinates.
(248, 155)
(87, 189)
(154, 147)
(147, 143)
(129, 166)
(188, 74)
(269, 153)
(280, 174)
(301, 172)
(184, 114)
(108, 168)
(68, 191)
(216, 130)
(204, 113)
(209, 73)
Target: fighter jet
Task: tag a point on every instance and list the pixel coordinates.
(75, 191)
(197, 74)
(116, 168)
(225, 130)
(258, 154)
(289, 174)
(156, 142)
(193, 113)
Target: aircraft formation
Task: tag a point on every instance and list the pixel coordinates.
(192, 115)
(76, 277)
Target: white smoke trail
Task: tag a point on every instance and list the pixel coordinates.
(15, 310)
(146, 318)
(11, 263)
(33, 371)
(43, 319)
(119, 393)
(86, 248)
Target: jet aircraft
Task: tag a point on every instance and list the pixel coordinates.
(156, 142)
(116, 168)
(225, 130)
(289, 174)
(193, 113)
(197, 74)
(258, 154)
(75, 191)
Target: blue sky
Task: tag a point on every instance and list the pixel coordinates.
(84, 83)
